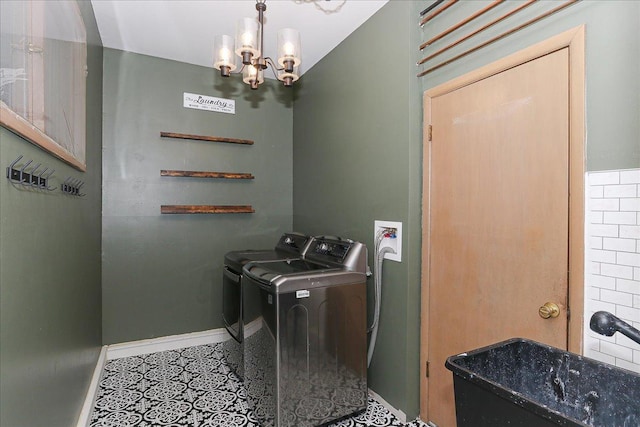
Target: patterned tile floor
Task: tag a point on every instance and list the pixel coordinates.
(189, 387)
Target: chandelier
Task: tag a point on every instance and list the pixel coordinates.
(248, 46)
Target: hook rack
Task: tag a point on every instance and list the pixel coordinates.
(72, 186)
(29, 177)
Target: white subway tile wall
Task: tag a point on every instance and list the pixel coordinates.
(613, 262)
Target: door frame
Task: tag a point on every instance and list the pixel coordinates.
(574, 40)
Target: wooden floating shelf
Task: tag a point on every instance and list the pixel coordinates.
(205, 209)
(205, 174)
(206, 138)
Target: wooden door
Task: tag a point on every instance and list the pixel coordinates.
(499, 216)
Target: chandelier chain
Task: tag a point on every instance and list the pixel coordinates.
(318, 5)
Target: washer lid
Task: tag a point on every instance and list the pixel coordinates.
(235, 260)
(270, 270)
(292, 275)
(290, 245)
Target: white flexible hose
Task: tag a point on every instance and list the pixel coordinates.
(376, 304)
(377, 285)
(377, 280)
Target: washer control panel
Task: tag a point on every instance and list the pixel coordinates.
(293, 242)
(335, 251)
(338, 252)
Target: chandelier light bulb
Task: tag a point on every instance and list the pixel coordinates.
(288, 49)
(252, 76)
(224, 60)
(247, 36)
(247, 40)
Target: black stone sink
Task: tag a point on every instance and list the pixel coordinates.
(520, 382)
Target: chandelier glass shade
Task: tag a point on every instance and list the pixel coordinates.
(247, 49)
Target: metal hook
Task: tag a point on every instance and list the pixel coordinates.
(22, 172)
(72, 186)
(29, 176)
(11, 172)
(63, 187)
(80, 186)
(46, 179)
(41, 181)
(33, 178)
(15, 161)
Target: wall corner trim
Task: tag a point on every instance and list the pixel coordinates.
(85, 413)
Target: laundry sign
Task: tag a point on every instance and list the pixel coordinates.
(209, 103)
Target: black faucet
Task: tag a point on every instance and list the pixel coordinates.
(607, 324)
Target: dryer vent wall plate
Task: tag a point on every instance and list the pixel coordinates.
(390, 241)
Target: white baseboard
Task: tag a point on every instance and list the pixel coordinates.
(401, 416)
(173, 342)
(85, 413)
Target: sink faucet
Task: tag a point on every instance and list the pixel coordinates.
(607, 324)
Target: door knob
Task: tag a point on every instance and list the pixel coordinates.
(549, 309)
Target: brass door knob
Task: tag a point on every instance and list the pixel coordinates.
(548, 310)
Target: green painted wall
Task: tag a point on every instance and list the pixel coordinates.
(162, 274)
(50, 309)
(612, 68)
(357, 158)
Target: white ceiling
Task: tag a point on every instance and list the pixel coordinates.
(183, 30)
